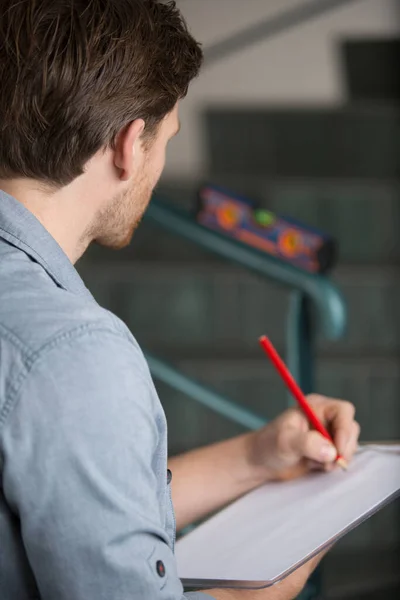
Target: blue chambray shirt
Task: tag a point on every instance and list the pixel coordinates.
(85, 507)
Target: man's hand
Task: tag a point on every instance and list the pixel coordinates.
(287, 447)
(206, 479)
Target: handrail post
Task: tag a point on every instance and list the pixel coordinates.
(300, 341)
(300, 356)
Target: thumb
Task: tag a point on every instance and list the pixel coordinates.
(313, 446)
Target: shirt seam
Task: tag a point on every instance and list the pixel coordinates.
(11, 337)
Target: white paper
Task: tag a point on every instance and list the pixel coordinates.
(265, 535)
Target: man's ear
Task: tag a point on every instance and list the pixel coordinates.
(126, 147)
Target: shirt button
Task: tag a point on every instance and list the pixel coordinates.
(160, 568)
(169, 476)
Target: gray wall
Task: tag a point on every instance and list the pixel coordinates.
(299, 67)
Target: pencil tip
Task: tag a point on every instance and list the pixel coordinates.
(342, 463)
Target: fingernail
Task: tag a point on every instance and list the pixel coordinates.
(328, 452)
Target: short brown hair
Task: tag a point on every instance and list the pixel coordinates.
(73, 73)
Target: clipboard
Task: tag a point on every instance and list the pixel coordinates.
(266, 535)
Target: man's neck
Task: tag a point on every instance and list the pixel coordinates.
(57, 210)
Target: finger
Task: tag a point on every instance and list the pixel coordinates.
(339, 416)
(317, 448)
(352, 444)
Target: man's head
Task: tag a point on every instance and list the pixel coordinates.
(89, 92)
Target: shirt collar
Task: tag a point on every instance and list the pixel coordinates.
(20, 228)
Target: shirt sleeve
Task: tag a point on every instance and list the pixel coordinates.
(79, 472)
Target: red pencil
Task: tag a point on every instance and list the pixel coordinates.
(297, 393)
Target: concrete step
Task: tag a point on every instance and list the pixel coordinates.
(205, 308)
(354, 140)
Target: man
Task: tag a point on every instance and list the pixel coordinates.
(89, 99)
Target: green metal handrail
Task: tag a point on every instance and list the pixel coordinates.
(325, 297)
